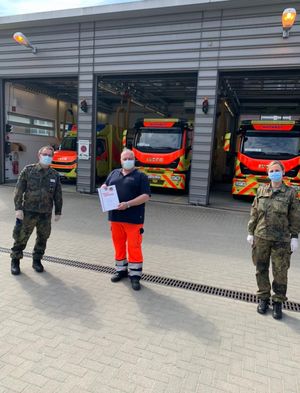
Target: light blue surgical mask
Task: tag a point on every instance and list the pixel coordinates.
(275, 176)
(45, 160)
(128, 164)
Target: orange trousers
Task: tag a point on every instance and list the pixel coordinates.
(127, 239)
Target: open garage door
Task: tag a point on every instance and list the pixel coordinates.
(38, 112)
(252, 96)
(153, 114)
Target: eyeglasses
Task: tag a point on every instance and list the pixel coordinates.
(45, 154)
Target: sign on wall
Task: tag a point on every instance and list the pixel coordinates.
(83, 150)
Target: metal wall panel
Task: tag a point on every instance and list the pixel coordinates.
(2, 133)
(57, 53)
(169, 42)
(86, 127)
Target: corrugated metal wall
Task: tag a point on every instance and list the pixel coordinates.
(193, 40)
(58, 49)
(86, 128)
(2, 133)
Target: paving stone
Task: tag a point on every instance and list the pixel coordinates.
(71, 330)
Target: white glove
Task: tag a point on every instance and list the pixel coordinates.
(20, 214)
(294, 244)
(57, 217)
(250, 239)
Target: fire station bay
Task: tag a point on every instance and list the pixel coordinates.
(206, 94)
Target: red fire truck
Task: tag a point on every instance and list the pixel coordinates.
(108, 149)
(163, 150)
(260, 142)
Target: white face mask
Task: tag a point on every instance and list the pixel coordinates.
(45, 160)
(128, 164)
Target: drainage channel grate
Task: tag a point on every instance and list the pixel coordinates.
(169, 282)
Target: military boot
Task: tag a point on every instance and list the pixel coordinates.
(263, 306)
(37, 266)
(15, 267)
(277, 310)
(119, 275)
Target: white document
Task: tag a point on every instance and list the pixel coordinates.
(108, 198)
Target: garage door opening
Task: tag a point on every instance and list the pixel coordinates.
(153, 115)
(253, 102)
(38, 112)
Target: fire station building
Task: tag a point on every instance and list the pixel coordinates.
(154, 58)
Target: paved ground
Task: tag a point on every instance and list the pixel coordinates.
(71, 330)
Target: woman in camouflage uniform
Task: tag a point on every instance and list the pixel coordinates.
(273, 234)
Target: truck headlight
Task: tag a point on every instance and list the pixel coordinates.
(240, 183)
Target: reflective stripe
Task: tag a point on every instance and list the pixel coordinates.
(180, 164)
(133, 273)
(121, 265)
(244, 191)
(135, 269)
(226, 145)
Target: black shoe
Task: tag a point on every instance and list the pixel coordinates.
(135, 283)
(15, 267)
(277, 310)
(37, 266)
(263, 306)
(119, 275)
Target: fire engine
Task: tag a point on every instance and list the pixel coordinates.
(260, 142)
(108, 149)
(163, 150)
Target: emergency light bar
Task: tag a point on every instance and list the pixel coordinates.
(273, 126)
(158, 125)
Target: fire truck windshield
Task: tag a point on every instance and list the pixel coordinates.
(69, 143)
(270, 145)
(158, 139)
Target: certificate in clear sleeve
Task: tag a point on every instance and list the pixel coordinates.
(108, 198)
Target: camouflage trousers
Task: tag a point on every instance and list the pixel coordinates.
(23, 229)
(280, 255)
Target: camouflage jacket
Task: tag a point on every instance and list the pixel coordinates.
(38, 189)
(275, 215)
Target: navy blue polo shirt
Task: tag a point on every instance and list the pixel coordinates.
(129, 187)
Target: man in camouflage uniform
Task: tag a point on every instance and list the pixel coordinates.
(273, 231)
(37, 189)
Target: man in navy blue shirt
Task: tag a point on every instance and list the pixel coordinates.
(127, 221)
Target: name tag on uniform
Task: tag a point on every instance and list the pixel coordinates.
(52, 180)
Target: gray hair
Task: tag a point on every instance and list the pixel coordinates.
(126, 150)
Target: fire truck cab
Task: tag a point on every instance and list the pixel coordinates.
(163, 149)
(260, 142)
(108, 148)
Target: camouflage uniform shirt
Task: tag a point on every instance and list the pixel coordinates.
(275, 214)
(38, 189)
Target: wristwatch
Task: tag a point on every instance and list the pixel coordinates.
(127, 204)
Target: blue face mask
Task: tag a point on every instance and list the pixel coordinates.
(128, 164)
(45, 160)
(275, 176)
